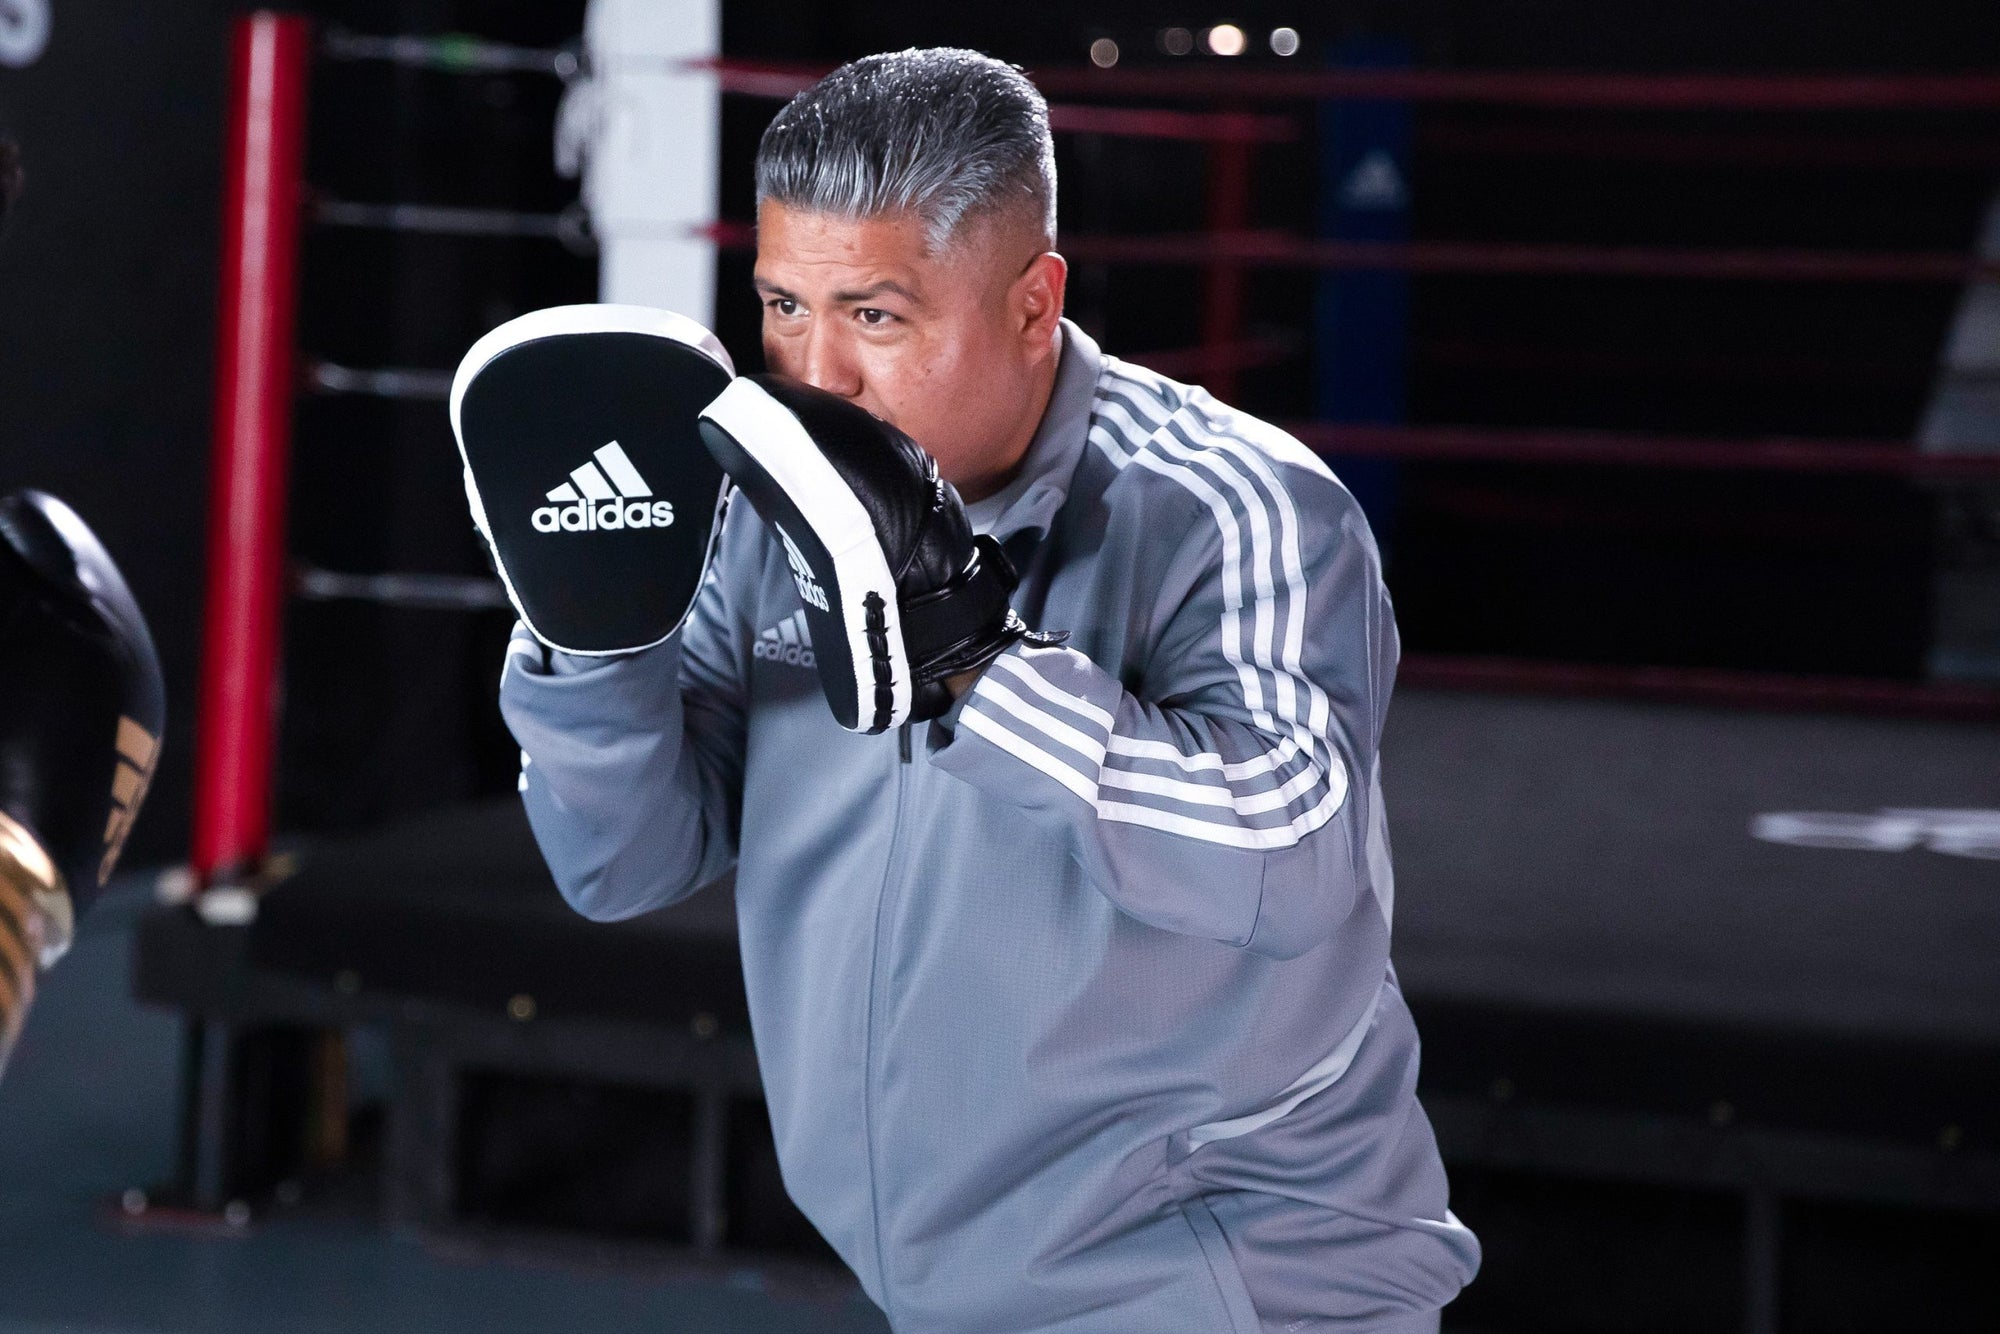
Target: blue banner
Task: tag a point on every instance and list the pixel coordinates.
(1361, 319)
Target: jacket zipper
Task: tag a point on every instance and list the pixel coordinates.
(878, 971)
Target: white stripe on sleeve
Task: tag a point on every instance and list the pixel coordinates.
(1261, 562)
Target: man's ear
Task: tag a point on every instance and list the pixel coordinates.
(1038, 296)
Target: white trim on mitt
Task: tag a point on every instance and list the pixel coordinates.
(769, 432)
(595, 318)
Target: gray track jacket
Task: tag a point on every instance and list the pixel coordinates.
(1074, 1008)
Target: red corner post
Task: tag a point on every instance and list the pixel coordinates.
(262, 199)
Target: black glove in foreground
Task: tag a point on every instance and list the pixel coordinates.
(899, 594)
(81, 708)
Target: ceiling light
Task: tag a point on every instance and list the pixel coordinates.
(1177, 41)
(1104, 53)
(1285, 41)
(1226, 39)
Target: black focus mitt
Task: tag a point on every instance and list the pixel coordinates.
(899, 595)
(584, 471)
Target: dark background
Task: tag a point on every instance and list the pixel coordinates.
(107, 281)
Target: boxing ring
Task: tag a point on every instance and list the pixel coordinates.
(1619, 978)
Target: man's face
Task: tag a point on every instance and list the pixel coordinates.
(954, 348)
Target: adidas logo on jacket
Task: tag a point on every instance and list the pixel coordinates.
(788, 642)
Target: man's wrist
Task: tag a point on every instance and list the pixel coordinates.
(963, 682)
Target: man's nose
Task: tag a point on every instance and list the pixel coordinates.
(827, 364)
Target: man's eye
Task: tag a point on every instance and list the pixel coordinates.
(870, 315)
(784, 305)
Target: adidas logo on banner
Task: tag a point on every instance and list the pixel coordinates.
(802, 574)
(788, 642)
(604, 494)
(1375, 184)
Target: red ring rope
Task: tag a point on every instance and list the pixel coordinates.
(1506, 258)
(1712, 686)
(1633, 449)
(1711, 148)
(1205, 80)
(1537, 88)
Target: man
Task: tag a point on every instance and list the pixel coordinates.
(1073, 1006)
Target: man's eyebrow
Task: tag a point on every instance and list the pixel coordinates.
(873, 290)
(849, 297)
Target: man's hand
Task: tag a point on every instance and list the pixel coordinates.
(906, 606)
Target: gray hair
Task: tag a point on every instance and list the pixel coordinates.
(948, 134)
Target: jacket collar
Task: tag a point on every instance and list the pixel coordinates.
(1020, 515)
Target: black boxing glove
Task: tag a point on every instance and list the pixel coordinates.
(82, 705)
(899, 595)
